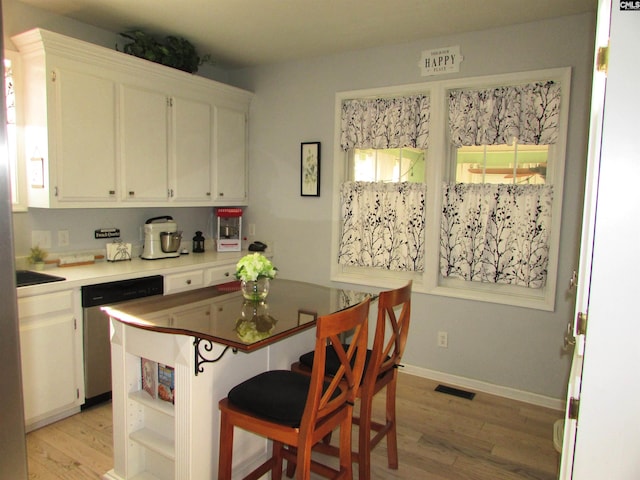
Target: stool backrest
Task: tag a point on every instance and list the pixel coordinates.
(326, 398)
(392, 328)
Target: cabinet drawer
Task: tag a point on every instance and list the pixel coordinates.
(181, 282)
(218, 275)
(44, 304)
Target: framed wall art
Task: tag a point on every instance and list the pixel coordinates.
(310, 169)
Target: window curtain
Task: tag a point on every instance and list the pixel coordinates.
(385, 122)
(383, 225)
(497, 116)
(496, 233)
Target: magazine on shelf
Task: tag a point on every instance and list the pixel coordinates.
(149, 377)
(166, 381)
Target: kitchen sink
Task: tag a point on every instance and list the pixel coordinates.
(29, 277)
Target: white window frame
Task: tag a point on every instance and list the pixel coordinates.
(437, 170)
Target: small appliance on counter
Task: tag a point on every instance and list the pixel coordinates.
(161, 238)
(229, 229)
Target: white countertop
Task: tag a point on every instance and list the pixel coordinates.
(102, 271)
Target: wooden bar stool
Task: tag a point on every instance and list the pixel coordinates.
(297, 410)
(392, 328)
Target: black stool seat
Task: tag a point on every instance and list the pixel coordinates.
(277, 395)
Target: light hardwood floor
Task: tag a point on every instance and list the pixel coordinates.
(440, 437)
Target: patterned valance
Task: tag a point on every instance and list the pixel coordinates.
(385, 122)
(496, 233)
(497, 116)
(383, 225)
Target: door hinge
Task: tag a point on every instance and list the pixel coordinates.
(581, 323)
(574, 408)
(77, 393)
(75, 323)
(602, 59)
(53, 75)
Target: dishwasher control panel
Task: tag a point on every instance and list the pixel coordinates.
(122, 290)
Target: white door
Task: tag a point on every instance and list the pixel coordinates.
(576, 330)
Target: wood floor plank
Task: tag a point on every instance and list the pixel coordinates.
(440, 437)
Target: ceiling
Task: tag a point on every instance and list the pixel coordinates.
(242, 33)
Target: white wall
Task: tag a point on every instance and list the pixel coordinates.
(505, 346)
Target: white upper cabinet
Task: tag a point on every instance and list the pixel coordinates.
(191, 156)
(106, 129)
(230, 153)
(144, 145)
(86, 170)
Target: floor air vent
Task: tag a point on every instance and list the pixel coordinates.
(455, 392)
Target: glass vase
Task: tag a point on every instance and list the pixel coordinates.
(255, 290)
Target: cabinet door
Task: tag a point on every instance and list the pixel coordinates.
(84, 158)
(51, 356)
(230, 157)
(197, 319)
(192, 154)
(48, 366)
(144, 144)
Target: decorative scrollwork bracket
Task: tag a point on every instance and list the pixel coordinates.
(207, 346)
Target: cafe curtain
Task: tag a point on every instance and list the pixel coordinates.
(383, 225)
(496, 233)
(496, 116)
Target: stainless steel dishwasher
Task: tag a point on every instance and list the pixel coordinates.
(97, 344)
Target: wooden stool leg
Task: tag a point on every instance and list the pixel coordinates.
(345, 447)
(392, 437)
(364, 438)
(226, 448)
(276, 471)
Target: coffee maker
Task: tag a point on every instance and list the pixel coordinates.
(161, 238)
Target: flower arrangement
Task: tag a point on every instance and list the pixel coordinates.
(254, 266)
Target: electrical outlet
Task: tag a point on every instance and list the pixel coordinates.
(63, 238)
(252, 229)
(443, 339)
(41, 238)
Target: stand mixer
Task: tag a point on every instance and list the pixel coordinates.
(161, 238)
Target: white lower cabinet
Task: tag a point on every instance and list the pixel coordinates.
(51, 353)
(218, 275)
(183, 281)
(199, 278)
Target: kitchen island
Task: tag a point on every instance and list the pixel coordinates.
(210, 339)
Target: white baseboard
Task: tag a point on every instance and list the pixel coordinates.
(478, 386)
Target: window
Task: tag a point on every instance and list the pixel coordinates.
(509, 164)
(386, 165)
(382, 212)
(17, 168)
(515, 159)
